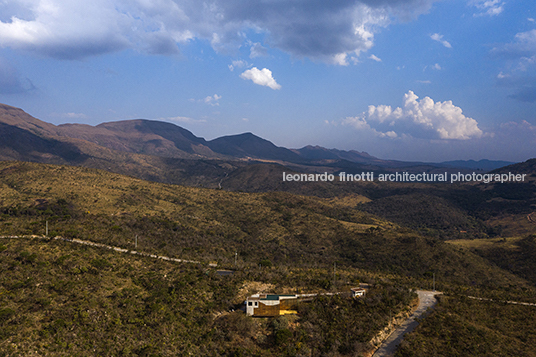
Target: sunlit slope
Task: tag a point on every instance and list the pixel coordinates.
(213, 225)
(515, 254)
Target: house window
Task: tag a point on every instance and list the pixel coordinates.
(256, 304)
(250, 303)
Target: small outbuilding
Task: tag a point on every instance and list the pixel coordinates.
(358, 292)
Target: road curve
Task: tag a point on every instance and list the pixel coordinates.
(426, 300)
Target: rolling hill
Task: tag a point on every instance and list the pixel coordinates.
(60, 298)
(202, 224)
(164, 152)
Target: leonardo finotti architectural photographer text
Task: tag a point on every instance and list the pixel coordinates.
(405, 177)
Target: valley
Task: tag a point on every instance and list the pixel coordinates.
(121, 230)
(285, 240)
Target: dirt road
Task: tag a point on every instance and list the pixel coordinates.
(426, 300)
(100, 245)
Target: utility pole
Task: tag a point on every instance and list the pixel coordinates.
(334, 271)
(434, 281)
(46, 230)
(136, 244)
(235, 258)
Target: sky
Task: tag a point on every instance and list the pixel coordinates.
(417, 80)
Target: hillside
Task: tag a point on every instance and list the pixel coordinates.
(60, 298)
(164, 152)
(147, 137)
(249, 145)
(208, 225)
(466, 327)
(516, 254)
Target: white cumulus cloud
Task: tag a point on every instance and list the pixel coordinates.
(439, 38)
(418, 118)
(262, 77)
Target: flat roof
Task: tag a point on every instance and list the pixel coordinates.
(271, 296)
(276, 296)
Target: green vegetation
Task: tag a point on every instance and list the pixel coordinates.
(346, 326)
(465, 327)
(58, 299)
(430, 215)
(516, 255)
(212, 225)
(66, 299)
(62, 299)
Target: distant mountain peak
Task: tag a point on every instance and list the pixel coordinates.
(168, 140)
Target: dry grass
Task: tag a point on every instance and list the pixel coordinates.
(503, 243)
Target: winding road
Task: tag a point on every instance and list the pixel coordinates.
(426, 300)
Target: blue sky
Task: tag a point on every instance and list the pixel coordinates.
(411, 80)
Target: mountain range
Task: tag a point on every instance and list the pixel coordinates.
(472, 238)
(165, 152)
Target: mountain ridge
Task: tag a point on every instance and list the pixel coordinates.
(168, 140)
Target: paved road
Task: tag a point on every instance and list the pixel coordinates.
(388, 347)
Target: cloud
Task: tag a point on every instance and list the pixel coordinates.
(373, 57)
(521, 56)
(66, 29)
(424, 81)
(523, 133)
(524, 46)
(340, 59)
(524, 87)
(212, 100)
(11, 82)
(439, 38)
(436, 67)
(526, 94)
(73, 115)
(488, 7)
(361, 124)
(187, 120)
(417, 118)
(520, 127)
(329, 31)
(238, 64)
(261, 77)
(257, 50)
